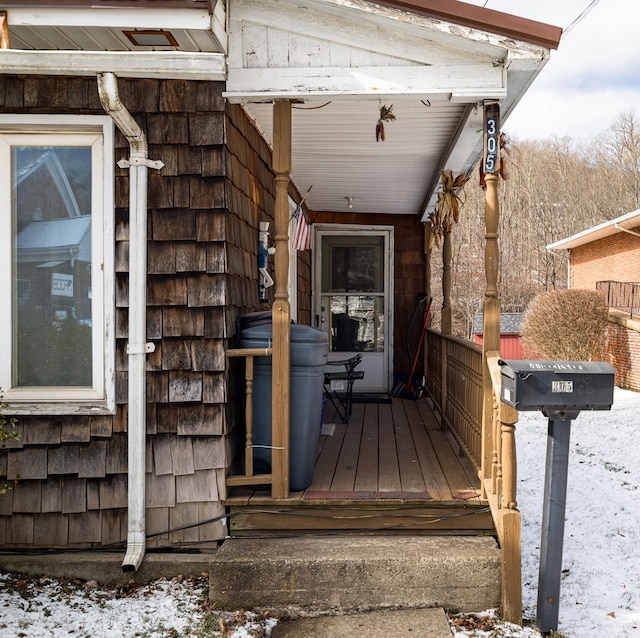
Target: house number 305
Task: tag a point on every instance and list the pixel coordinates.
(492, 138)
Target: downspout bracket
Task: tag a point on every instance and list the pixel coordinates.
(137, 348)
(141, 161)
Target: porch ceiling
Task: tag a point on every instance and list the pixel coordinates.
(336, 153)
(339, 60)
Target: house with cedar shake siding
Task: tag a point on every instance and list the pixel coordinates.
(144, 147)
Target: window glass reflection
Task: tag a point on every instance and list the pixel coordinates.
(52, 321)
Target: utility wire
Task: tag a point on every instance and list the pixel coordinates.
(585, 12)
(579, 19)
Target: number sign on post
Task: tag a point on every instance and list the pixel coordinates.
(491, 137)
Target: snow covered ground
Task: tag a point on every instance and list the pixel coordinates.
(600, 592)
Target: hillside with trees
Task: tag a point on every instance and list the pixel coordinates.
(554, 188)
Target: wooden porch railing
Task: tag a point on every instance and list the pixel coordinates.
(454, 380)
(249, 478)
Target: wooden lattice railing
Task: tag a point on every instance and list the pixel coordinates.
(454, 382)
(468, 400)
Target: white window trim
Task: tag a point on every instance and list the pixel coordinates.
(100, 399)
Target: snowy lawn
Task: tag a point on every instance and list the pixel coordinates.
(600, 593)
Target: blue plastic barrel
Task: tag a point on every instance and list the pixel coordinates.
(309, 352)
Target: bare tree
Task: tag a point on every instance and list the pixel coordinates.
(555, 188)
(618, 149)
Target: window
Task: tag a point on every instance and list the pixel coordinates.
(56, 250)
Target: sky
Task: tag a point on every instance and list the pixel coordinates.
(599, 592)
(593, 75)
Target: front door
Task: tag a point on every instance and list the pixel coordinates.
(352, 296)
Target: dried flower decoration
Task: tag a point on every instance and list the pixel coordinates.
(447, 211)
(386, 115)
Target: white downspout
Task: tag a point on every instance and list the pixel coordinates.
(137, 348)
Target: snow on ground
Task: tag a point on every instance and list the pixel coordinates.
(600, 591)
(176, 608)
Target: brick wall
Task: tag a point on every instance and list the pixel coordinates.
(615, 258)
(624, 349)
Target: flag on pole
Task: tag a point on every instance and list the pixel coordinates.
(302, 233)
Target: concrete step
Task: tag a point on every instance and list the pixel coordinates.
(307, 576)
(422, 623)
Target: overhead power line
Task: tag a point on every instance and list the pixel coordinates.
(579, 19)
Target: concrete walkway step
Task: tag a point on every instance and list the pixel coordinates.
(421, 623)
(309, 576)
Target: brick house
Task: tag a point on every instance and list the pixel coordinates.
(607, 258)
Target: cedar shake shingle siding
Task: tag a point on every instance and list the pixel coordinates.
(203, 212)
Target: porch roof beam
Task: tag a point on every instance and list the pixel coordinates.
(461, 155)
(453, 83)
(132, 64)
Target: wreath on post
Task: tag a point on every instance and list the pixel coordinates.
(447, 211)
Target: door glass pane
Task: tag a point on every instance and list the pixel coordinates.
(353, 292)
(51, 225)
(353, 264)
(356, 323)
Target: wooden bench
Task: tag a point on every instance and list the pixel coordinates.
(339, 385)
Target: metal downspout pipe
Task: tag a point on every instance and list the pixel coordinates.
(137, 348)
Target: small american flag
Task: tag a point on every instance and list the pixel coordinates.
(302, 233)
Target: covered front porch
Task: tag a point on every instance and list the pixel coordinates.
(444, 463)
(392, 468)
(441, 464)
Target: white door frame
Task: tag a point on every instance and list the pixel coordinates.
(382, 381)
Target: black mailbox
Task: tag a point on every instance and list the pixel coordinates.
(557, 385)
(560, 389)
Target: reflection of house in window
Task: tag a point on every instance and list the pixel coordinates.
(48, 192)
(54, 268)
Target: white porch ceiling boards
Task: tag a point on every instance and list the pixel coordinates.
(433, 60)
(335, 151)
(357, 56)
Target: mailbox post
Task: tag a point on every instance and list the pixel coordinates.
(560, 390)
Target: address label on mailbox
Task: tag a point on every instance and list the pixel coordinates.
(562, 386)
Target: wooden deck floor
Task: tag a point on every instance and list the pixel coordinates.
(392, 460)
(391, 451)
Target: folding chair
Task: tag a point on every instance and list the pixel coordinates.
(339, 385)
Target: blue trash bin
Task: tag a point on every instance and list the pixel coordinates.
(309, 352)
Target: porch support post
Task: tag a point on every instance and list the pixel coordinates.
(491, 315)
(281, 309)
(4, 31)
(427, 278)
(447, 256)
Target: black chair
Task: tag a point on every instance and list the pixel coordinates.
(335, 381)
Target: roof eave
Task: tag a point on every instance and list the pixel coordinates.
(469, 15)
(600, 231)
